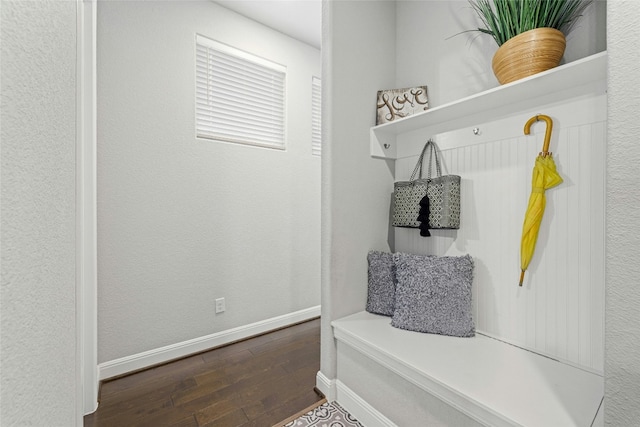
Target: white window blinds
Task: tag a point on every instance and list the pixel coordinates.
(316, 116)
(239, 97)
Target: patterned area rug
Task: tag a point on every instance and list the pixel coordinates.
(325, 415)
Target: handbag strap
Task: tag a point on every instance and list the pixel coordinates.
(434, 153)
(418, 168)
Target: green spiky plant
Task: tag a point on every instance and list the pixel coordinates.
(504, 19)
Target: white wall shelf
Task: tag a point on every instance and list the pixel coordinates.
(582, 77)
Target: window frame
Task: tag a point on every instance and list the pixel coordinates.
(316, 116)
(200, 105)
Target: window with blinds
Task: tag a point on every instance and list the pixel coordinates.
(316, 116)
(240, 97)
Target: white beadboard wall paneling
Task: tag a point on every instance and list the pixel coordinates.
(559, 311)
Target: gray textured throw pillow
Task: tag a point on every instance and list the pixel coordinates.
(433, 294)
(382, 283)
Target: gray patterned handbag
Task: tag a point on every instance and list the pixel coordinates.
(427, 203)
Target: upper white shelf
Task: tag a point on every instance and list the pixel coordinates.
(581, 77)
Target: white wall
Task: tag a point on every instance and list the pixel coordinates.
(622, 358)
(38, 290)
(183, 221)
(357, 61)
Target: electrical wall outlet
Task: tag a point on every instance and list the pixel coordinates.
(220, 305)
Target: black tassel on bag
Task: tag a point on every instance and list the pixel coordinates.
(424, 217)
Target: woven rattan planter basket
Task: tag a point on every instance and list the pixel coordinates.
(528, 53)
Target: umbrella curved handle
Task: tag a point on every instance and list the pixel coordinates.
(547, 135)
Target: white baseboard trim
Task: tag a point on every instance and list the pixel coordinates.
(366, 414)
(326, 386)
(124, 365)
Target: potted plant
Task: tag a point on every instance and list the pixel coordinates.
(530, 33)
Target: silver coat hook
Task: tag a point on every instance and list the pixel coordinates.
(476, 131)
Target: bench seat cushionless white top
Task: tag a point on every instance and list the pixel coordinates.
(496, 383)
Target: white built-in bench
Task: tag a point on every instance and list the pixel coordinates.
(491, 382)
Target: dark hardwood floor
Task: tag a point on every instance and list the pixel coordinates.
(257, 382)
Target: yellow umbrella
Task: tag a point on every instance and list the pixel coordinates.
(544, 177)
